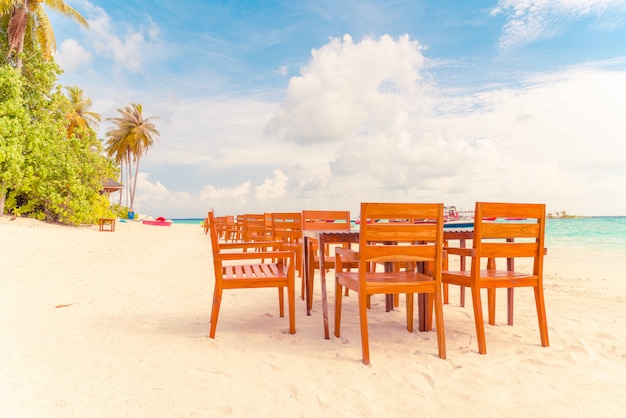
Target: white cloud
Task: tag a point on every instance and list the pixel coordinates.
(71, 55)
(124, 46)
(282, 70)
(351, 89)
(531, 20)
(557, 140)
(272, 188)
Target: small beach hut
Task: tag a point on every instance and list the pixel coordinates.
(111, 186)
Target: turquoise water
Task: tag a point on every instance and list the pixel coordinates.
(188, 221)
(605, 234)
(597, 234)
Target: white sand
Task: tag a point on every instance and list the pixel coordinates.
(133, 341)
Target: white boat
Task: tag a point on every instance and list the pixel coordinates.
(457, 219)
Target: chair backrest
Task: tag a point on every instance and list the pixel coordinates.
(239, 228)
(386, 223)
(220, 225)
(254, 227)
(215, 242)
(287, 226)
(231, 228)
(269, 229)
(321, 220)
(509, 230)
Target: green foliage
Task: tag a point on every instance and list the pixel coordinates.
(13, 120)
(120, 211)
(47, 175)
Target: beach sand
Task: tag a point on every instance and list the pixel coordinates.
(101, 324)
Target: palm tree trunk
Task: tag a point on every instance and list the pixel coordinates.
(17, 26)
(129, 178)
(132, 196)
(123, 182)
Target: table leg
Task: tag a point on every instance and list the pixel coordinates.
(422, 304)
(306, 262)
(388, 297)
(323, 286)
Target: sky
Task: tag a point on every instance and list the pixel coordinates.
(269, 106)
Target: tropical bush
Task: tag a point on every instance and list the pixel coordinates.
(44, 173)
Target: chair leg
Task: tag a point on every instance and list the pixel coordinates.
(291, 296)
(491, 305)
(428, 321)
(409, 311)
(338, 302)
(311, 274)
(462, 296)
(441, 336)
(364, 334)
(509, 295)
(541, 315)
(446, 299)
(478, 318)
(281, 301)
(215, 310)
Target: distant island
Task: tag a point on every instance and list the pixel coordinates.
(562, 215)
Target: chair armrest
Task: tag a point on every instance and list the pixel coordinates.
(250, 244)
(346, 254)
(255, 255)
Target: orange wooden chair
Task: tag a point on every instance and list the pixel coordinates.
(220, 226)
(323, 220)
(231, 228)
(502, 233)
(254, 227)
(414, 243)
(287, 227)
(235, 269)
(238, 229)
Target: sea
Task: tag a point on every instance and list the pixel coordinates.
(602, 234)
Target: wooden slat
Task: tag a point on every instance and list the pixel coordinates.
(514, 249)
(509, 230)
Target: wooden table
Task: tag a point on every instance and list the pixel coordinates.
(107, 222)
(327, 236)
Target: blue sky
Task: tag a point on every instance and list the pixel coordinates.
(286, 105)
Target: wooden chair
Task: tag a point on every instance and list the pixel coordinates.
(239, 224)
(323, 220)
(287, 227)
(518, 232)
(254, 227)
(220, 226)
(235, 269)
(418, 243)
(231, 228)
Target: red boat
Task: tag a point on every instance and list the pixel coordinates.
(160, 221)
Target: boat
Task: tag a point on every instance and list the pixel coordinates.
(452, 218)
(160, 221)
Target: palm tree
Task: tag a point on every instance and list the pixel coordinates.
(80, 116)
(129, 140)
(29, 19)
